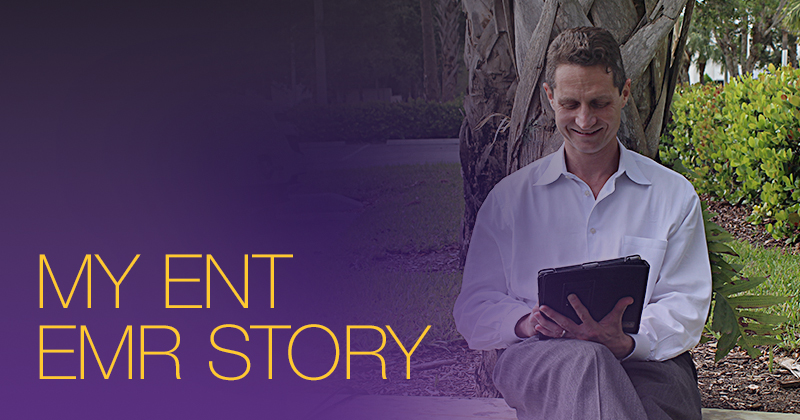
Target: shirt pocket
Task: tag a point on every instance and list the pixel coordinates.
(651, 250)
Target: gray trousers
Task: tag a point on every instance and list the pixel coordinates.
(564, 379)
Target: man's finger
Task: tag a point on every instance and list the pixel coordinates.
(548, 324)
(561, 320)
(581, 310)
(549, 333)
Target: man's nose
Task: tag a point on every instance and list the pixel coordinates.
(585, 118)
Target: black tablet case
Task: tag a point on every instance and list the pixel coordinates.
(599, 285)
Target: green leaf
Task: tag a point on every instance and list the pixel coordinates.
(718, 281)
(725, 344)
(725, 266)
(760, 340)
(756, 301)
(760, 329)
(724, 320)
(751, 351)
(719, 236)
(680, 168)
(722, 277)
(764, 318)
(737, 267)
(707, 215)
(741, 285)
(720, 248)
(723, 272)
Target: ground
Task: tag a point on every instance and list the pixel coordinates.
(448, 369)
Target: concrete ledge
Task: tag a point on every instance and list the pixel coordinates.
(717, 414)
(449, 408)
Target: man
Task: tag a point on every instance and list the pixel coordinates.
(591, 200)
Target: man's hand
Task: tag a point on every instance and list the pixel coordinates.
(535, 322)
(607, 332)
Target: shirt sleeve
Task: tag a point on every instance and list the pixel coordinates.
(673, 319)
(485, 311)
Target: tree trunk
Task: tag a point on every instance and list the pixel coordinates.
(701, 69)
(489, 57)
(686, 64)
(483, 375)
(449, 15)
(747, 58)
(512, 136)
(784, 47)
(430, 67)
(728, 54)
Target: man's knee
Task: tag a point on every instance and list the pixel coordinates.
(590, 350)
(568, 359)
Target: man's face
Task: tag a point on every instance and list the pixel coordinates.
(587, 107)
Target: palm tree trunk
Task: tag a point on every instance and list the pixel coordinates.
(449, 16)
(489, 57)
(430, 67)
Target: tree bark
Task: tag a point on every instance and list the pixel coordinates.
(489, 56)
(483, 375)
(430, 67)
(447, 20)
(729, 54)
(673, 72)
(687, 62)
(701, 68)
(784, 46)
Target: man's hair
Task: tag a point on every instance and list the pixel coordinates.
(585, 46)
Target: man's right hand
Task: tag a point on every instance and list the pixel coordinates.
(608, 331)
(536, 322)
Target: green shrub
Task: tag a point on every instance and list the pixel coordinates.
(376, 122)
(740, 143)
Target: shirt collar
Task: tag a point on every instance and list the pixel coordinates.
(627, 165)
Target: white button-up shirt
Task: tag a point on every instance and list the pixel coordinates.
(542, 216)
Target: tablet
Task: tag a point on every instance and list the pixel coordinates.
(599, 285)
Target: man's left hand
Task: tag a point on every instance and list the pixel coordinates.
(607, 332)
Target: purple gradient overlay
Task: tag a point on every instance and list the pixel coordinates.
(129, 130)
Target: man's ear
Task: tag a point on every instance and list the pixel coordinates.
(549, 94)
(626, 92)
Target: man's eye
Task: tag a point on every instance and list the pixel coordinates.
(571, 106)
(601, 104)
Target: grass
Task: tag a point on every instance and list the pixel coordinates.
(409, 210)
(783, 272)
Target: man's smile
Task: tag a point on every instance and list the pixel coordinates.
(585, 132)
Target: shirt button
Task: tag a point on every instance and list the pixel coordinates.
(593, 231)
(586, 193)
